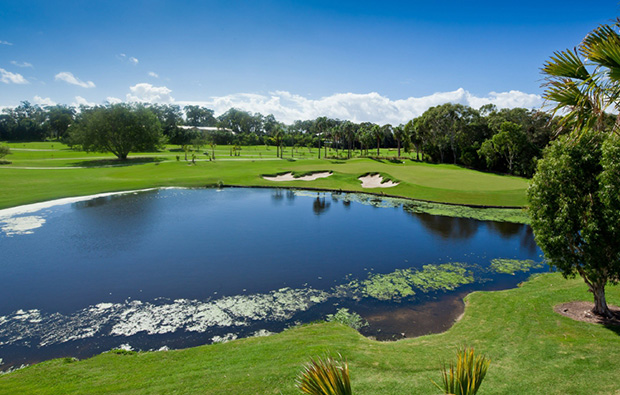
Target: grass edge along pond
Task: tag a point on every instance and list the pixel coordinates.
(52, 173)
(532, 349)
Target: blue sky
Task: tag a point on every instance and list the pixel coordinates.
(383, 61)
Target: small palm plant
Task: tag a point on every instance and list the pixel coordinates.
(325, 376)
(464, 378)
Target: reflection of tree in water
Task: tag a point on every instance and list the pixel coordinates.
(277, 195)
(290, 195)
(527, 239)
(448, 227)
(319, 205)
(505, 230)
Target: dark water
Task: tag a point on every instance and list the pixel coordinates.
(179, 268)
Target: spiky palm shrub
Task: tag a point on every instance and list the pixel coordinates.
(325, 376)
(464, 378)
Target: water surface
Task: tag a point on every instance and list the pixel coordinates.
(182, 267)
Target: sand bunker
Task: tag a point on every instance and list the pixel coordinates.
(289, 177)
(375, 181)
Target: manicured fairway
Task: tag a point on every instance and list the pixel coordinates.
(43, 171)
(533, 351)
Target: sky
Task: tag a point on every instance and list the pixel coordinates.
(379, 61)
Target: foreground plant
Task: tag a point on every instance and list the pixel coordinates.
(325, 377)
(464, 378)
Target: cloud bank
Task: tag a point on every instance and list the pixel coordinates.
(147, 93)
(73, 80)
(43, 101)
(12, 78)
(367, 107)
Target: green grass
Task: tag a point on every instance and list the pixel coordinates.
(532, 349)
(56, 171)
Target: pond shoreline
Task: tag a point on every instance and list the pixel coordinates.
(523, 218)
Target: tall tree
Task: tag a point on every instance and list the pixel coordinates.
(117, 128)
(575, 208)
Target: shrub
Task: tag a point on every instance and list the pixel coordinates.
(325, 377)
(464, 378)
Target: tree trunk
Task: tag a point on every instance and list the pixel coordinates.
(398, 148)
(378, 143)
(600, 304)
(319, 146)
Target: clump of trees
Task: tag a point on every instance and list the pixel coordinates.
(490, 139)
(575, 194)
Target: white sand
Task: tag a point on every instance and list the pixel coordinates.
(376, 181)
(289, 177)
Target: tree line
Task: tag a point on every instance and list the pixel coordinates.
(490, 139)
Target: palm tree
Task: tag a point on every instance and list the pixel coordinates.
(377, 133)
(585, 81)
(321, 127)
(400, 135)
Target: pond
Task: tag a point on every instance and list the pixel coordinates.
(173, 268)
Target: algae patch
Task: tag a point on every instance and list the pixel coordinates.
(511, 266)
(403, 283)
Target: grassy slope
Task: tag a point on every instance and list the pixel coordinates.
(439, 183)
(533, 350)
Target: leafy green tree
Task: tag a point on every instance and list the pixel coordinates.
(507, 144)
(117, 128)
(575, 208)
(199, 116)
(59, 118)
(4, 151)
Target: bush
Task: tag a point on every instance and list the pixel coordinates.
(464, 378)
(325, 377)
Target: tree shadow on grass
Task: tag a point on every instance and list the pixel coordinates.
(117, 162)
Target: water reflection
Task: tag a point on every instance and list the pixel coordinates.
(277, 195)
(320, 205)
(448, 227)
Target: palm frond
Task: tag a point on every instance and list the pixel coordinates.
(602, 46)
(566, 64)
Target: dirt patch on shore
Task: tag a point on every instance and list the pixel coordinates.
(582, 311)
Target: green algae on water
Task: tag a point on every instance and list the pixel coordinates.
(511, 266)
(403, 283)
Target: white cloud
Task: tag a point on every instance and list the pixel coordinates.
(22, 64)
(5, 43)
(124, 58)
(113, 100)
(73, 80)
(145, 92)
(372, 107)
(80, 101)
(153, 74)
(12, 78)
(43, 101)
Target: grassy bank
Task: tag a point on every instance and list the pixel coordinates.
(44, 171)
(533, 351)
